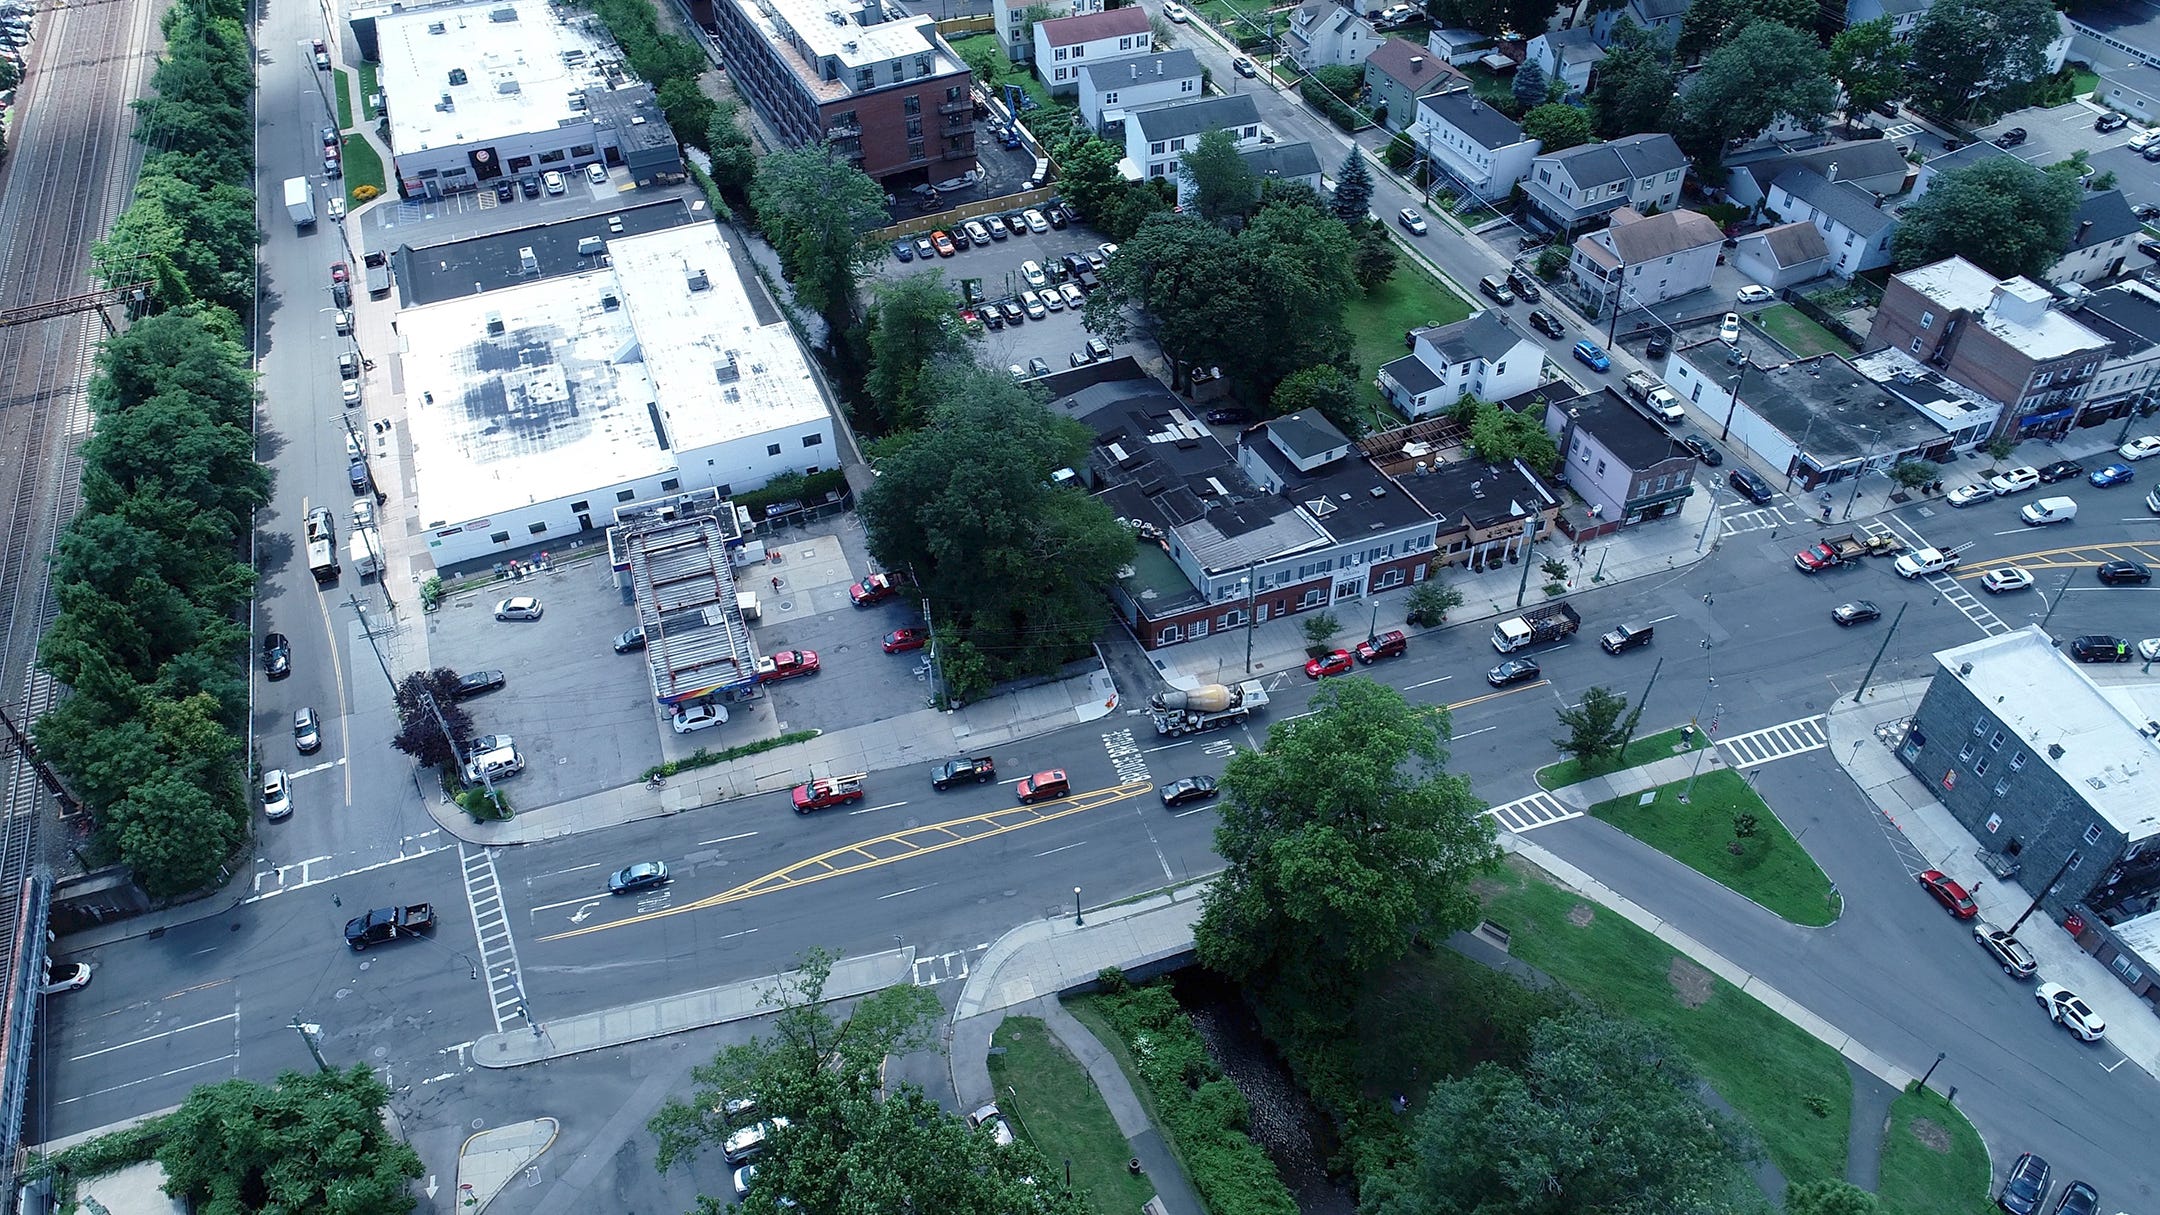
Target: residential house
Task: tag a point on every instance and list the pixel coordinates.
(1296, 519)
(1063, 45)
(1459, 47)
(1111, 90)
(1324, 33)
(1569, 56)
(1936, 166)
(1819, 421)
(1904, 14)
(1783, 255)
(1855, 226)
(1660, 17)
(1625, 466)
(1278, 162)
(2128, 316)
(2134, 89)
(1156, 140)
(1397, 73)
(2001, 338)
(2103, 236)
(1483, 356)
(2114, 33)
(1875, 165)
(2053, 775)
(1579, 187)
(1481, 148)
(1639, 260)
(1015, 29)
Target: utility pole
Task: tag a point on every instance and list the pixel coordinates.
(1529, 553)
(1734, 407)
(307, 1034)
(1707, 524)
(1252, 590)
(46, 776)
(1627, 734)
(2056, 602)
(1879, 651)
(2068, 862)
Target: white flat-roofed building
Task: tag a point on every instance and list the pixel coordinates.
(537, 409)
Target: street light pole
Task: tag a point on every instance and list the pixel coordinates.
(1077, 921)
(1707, 524)
(1879, 651)
(2056, 602)
(1708, 743)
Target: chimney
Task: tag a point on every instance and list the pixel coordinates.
(1832, 174)
(2084, 225)
(1158, 67)
(1417, 65)
(1136, 71)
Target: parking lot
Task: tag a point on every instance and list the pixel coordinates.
(1055, 337)
(2052, 135)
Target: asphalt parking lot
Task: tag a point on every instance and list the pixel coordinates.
(857, 681)
(1052, 339)
(2052, 135)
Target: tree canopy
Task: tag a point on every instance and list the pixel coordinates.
(1766, 72)
(421, 696)
(1963, 48)
(1868, 61)
(1224, 190)
(311, 1144)
(1528, 87)
(1710, 24)
(1633, 92)
(1557, 126)
(814, 208)
(1353, 189)
(2003, 215)
(914, 327)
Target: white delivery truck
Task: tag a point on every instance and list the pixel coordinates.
(364, 550)
(300, 201)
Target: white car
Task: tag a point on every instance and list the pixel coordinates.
(1033, 273)
(2068, 1010)
(1035, 221)
(2016, 481)
(1925, 561)
(350, 394)
(698, 716)
(596, 173)
(1412, 221)
(1966, 495)
(336, 209)
(524, 607)
(989, 1116)
(1052, 300)
(1107, 250)
(342, 319)
(1034, 305)
(2149, 649)
(1074, 297)
(363, 512)
(1175, 11)
(67, 976)
(277, 795)
(2004, 579)
(552, 181)
(1755, 293)
(2140, 447)
(1728, 330)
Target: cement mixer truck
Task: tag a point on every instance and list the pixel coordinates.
(1207, 707)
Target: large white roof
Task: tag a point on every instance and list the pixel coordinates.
(519, 68)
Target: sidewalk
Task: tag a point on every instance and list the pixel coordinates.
(489, 1159)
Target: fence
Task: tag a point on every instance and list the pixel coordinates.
(1816, 313)
(946, 220)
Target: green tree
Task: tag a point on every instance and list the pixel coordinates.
(689, 111)
(1828, 1197)
(1528, 86)
(1343, 839)
(814, 207)
(1376, 257)
(1593, 726)
(308, 1143)
(1326, 389)
(1635, 84)
(1320, 629)
(1353, 189)
(426, 702)
(966, 502)
(1912, 474)
(1557, 126)
(984, 58)
(1224, 190)
(1429, 602)
(1500, 435)
(1089, 174)
(851, 1147)
(914, 326)
(1766, 72)
(1868, 61)
(1496, 16)
(1964, 48)
(2003, 215)
(1710, 24)
(1604, 1116)
(734, 156)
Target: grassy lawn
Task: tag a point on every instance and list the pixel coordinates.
(344, 99)
(1021, 75)
(368, 88)
(363, 166)
(1933, 1162)
(1792, 1089)
(1236, 17)
(2083, 80)
(1795, 332)
(1050, 1099)
(1379, 319)
(1770, 868)
(1641, 751)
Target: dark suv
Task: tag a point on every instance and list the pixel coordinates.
(2025, 1190)
(2123, 573)
(2099, 647)
(276, 655)
(1749, 486)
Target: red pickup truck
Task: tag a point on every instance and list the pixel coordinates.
(822, 792)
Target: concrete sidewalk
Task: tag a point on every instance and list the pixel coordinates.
(489, 1159)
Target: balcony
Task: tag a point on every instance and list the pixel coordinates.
(963, 105)
(849, 130)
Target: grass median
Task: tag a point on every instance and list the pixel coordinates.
(1933, 1162)
(1050, 1099)
(1767, 865)
(1662, 745)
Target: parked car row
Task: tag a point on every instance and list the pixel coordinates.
(946, 242)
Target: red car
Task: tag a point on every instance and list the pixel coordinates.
(1947, 892)
(877, 588)
(340, 272)
(906, 639)
(786, 664)
(1333, 664)
(1387, 645)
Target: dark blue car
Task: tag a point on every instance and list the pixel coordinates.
(2112, 474)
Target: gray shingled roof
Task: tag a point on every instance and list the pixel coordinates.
(1198, 117)
(1844, 202)
(2111, 218)
(1282, 160)
(1166, 65)
(1488, 336)
(1635, 156)
(1394, 60)
(1461, 109)
(1794, 244)
(1411, 372)
(1573, 46)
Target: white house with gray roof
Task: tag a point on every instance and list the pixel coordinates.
(1483, 356)
(1643, 259)
(1660, 17)
(1579, 187)
(1279, 162)
(1476, 144)
(1904, 14)
(1855, 225)
(1569, 56)
(1156, 140)
(1327, 34)
(1876, 165)
(2103, 235)
(1782, 254)
(1111, 91)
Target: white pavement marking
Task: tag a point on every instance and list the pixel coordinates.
(910, 890)
(1796, 737)
(1764, 518)
(106, 1050)
(869, 810)
(725, 839)
(491, 926)
(1540, 809)
(335, 763)
(308, 876)
(1126, 756)
(1061, 848)
(1428, 683)
(166, 1075)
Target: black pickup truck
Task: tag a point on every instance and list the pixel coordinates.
(389, 924)
(981, 769)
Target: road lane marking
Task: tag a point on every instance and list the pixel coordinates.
(560, 872)
(1061, 848)
(869, 810)
(1428, 683)
(910, 890)
(491, 927)
(106, 1050)
(1471, 734)
(727, 839)
(165, 1075)
(308, 877)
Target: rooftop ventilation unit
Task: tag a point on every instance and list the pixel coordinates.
(698, 281)
(507, 88)
(436, 27)
(501, 15)
(457, 76)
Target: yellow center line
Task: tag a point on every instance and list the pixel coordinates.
(2046, 557)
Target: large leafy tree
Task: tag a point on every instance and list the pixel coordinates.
(914, 326)
(1964, 48)
(1766, 72)
(848, 1148)
(1710, 24)
(1343, 839)
(1224, 190)
(1013, 565)
(1868, 61)
(1303, 266)
(426, 703)
(1635, 83)
(1557, 126)
(1603, 1117)
(313, 1143)
(1330, 390)
(2003, 215)
(1180, 284)
(1526, 17)
(814, 207)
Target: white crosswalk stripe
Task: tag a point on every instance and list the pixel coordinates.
(1777, 742)
(1763, 518)
(1540, 809)
(491, 924)
(1959, 595)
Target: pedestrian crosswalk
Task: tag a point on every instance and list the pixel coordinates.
(1946, 585)
(491, 924)
(1763, 518)
(1795, 737)
(1540, 809)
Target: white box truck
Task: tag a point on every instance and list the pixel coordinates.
(364, 550)
(300, 201)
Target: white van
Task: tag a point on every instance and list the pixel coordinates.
(496, 764)
(746, 1142)
(2049, 510)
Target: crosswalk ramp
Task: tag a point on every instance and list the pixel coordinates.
(1795, 737)
(1540, 809)
(491, 924)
